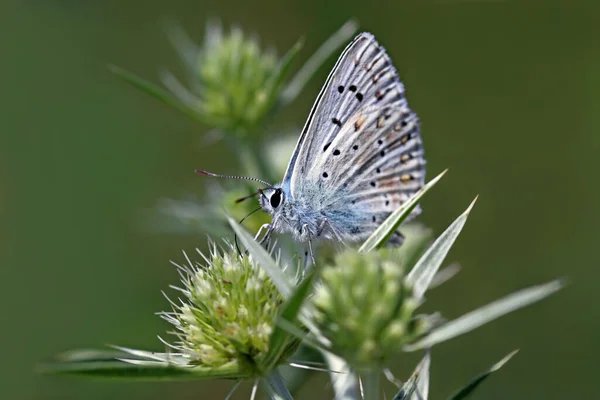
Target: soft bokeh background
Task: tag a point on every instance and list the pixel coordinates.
(508, 97)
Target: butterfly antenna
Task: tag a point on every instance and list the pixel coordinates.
(235, 236)
(247, 178)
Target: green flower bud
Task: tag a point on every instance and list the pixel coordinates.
(365, 309)
(227, 313)
(234, 83)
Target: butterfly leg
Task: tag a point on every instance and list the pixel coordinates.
(267, 239)
(308, 255)
(321, 228)
(312, 254)
(308, 251)
(395, 240)
(264, 226)
(305, 263)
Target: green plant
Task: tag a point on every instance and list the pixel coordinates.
(243, 316)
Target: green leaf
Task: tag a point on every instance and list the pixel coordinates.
(313, 339)
(182, 43)
(157, 92)
(280, 338)
(276, 80)
(264, 260)
(475, 382)
(111, 365)
(444, 275)
(417, 239)
(297, 83)
(423, 272)
(389, 226)
(84, 355)
(417, 386)
(485, 314)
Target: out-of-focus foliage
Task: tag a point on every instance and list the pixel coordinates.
(506, 94)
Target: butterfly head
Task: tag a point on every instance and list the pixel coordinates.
(271, 199)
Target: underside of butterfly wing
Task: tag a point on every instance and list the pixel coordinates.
(362, 78)
(359, 156)
(376, 163)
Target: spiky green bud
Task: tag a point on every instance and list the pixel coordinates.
(234, 83)
(365, 307)
(227, 312)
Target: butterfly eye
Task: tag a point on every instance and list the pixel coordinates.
(275, 198)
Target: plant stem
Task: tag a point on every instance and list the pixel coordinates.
(370, 382)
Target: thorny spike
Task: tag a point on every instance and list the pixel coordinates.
(309, 367)
(237, 384)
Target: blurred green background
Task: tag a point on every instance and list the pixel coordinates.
(508, 97)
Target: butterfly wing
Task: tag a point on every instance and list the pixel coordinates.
(373, 165)
(363, 78)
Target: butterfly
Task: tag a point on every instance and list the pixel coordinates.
(358, 158)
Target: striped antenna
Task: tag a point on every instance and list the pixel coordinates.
(247, 178)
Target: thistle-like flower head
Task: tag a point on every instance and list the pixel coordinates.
(364, 307)
(227, 313)
(233, 83)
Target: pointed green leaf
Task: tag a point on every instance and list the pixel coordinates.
(423, 272)
(389, 226)
(417, 386)
(112, 365)
(276, 80)
(422, 391)
(313, 339)
(156, 92)
(475, 382)
(280, 338)
(264, 260)
(83, 355)
(485, 314)
(335, 41)
(182, 43)
(444, 275)
(417, 239)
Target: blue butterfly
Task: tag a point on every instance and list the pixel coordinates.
(359, 156)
